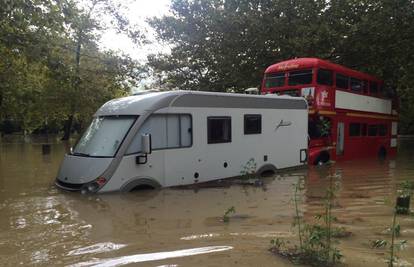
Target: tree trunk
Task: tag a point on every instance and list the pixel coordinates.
(67, 128)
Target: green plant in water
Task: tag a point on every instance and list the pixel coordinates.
(379, 243)
(298, 216)
(315, 240)
(324, 126)
(227, 213)
(249, 170)
(277, 243)
(395, 231)
(406, 188)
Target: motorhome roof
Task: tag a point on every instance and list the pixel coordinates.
(138, 104)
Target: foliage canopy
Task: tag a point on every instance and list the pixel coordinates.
(222, 45)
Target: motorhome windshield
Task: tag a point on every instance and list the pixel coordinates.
(104, 136)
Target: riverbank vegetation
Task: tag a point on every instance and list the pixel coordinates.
(317, 239)
(53, 75)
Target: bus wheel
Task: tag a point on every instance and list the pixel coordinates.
(322, 158)
(382, 153)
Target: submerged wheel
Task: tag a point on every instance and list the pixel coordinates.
(266, 170)
(142, 187)
(382, 153)
(322, 158)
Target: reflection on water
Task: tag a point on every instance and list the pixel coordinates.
(153, 256)
(43, 226)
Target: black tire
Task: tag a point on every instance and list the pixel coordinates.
(322, 159)
(142, 187)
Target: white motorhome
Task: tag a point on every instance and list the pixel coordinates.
(163, 139)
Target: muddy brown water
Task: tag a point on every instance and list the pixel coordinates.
(43, 226)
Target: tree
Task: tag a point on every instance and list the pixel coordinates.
(52, 71)
(227, 44)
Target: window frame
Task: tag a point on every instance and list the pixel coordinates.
(210, 118)
(246, 117)
(166, 148)
(136, 117)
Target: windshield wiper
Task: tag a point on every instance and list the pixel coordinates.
(81, 154)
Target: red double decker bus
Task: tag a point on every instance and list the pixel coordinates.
(349, 115)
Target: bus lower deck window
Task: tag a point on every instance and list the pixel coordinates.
(372, 130)
(354, 129)
(364, 129)
(382, 130)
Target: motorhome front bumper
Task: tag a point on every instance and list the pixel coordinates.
(68, 186)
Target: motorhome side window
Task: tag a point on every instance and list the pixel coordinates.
(218, 130)
(252, 124)
(167, 131)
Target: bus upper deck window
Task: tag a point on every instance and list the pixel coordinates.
(300, 77)
(274, 79)
(356, 85)
(325, 77)
(342, 81)
(365, 84)
(380, 90)
(373, 87)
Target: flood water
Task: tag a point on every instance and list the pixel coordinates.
(43, 226)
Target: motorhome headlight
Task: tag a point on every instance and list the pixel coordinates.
(95, 185)
(92, 187)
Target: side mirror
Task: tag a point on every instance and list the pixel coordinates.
(146, 148)
(146, 143)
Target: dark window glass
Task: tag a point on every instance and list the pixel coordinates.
(372, 130)
(342, 81)
(373, 87)
(365, 86)
(252, 124)
(274, 79)
(325, 77)
(354, 129)
(218, 130)
(380, 89)
(300, 77)
(356, 85)
(364, 129)
(382, 130)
